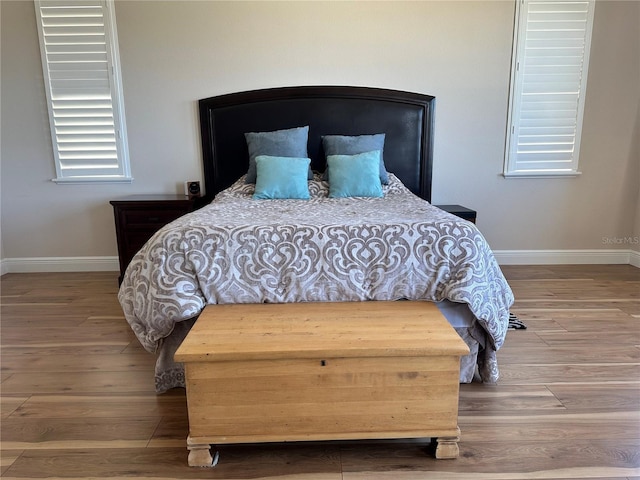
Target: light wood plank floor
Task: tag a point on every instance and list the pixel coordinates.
(77, 397)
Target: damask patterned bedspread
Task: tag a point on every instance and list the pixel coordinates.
(240, 250)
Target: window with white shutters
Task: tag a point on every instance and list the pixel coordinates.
(548, 84)
(79, 48)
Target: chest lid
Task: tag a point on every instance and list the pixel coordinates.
(315, 330)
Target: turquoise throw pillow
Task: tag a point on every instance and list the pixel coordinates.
(351, 145)
(281, 178)
(354, 175)
(291, 142)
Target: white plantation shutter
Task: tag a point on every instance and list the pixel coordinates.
(79, 50)
(551, 56)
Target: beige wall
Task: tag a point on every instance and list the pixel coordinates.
(176, 52)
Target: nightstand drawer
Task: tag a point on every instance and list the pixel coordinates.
(151, 218)
(134, 242)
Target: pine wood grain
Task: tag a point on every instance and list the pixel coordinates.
(296, 330)
(321, 371)
(77, 397)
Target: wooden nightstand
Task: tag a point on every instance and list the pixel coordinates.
(459, 211)
(138, 217)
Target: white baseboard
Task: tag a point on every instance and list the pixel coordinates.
(504, 257)
(59, 264)
(567, 257)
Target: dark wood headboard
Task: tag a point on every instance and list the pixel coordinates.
(406, 119)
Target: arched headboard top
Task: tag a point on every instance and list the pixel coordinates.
(405, 118)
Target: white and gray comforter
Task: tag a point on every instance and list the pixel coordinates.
(240, 250)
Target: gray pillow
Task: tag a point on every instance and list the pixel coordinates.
(280, 143)
(353, 145)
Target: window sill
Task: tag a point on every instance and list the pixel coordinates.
(91, 180)
(541, 174)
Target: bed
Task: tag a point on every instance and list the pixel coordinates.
(335, 245)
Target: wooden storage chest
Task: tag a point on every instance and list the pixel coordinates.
(321, 371)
